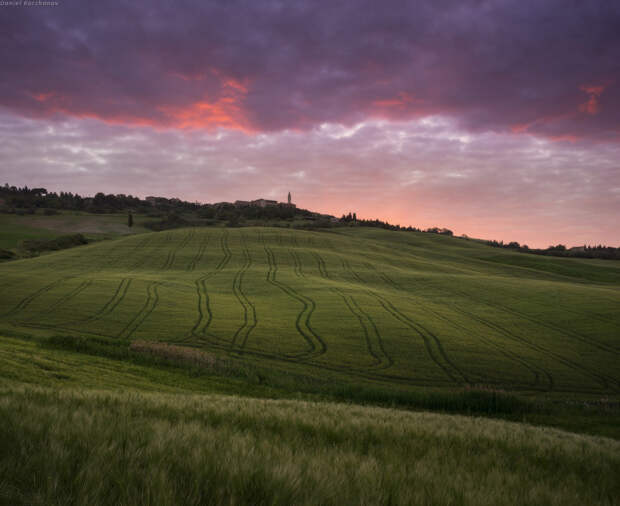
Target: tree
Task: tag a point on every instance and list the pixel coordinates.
(130, 219)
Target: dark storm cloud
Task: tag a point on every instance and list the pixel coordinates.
(548, 68)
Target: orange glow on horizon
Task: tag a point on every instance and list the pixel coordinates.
(224, 112)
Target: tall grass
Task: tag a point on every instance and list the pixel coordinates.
(197, 362)
(94, 448)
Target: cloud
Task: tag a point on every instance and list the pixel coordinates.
(424, 172)
(511, 66)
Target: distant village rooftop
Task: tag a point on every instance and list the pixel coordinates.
(264, 202)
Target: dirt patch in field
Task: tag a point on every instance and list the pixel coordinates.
(175, 353)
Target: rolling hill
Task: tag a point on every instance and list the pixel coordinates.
(358, 305)
(203, 366)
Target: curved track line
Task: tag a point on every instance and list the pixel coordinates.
(205, 315)
(150, 304)
(173, 252)
(110, 305)
(599, 378)
(249, 311)
(297, 265)
(425, 334)
(316, 345)
(199, 254)
(602, 379)
(26, 301)
(322, 267)
(428, 337)
(67, 297)
(372, 337)
(534, 369)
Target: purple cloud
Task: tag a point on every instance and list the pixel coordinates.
(546, 68)
(425, 172)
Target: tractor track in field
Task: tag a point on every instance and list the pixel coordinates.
(594, 316)
(67, 297)
(131, 252)
(599, 378)
(297, 265)
(166, 241)
(387, 360)
(173, 252)
(381, 359)
(141, 259)
(152, 300)
(501, 307)
(199, 254)
(534, 369)
(151, 303)
(556, 328)
(321, 263)
(111, 304)
(316, 344)
(26, 301)
(205, 315)
(580, 337)
(347, 267)
(428, 337)
(249, 310)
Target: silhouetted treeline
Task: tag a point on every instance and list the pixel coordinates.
(560, 250)
(174, 213)
(351, 218)
(27, 200)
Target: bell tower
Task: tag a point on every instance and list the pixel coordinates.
(289, 198)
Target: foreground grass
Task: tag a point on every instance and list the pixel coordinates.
(70, 447)
(64, 362)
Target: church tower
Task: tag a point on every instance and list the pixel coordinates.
(289, 198)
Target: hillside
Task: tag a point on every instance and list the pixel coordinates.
(89, 447)
(202, 366)
(365, 305)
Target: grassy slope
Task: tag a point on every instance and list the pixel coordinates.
(91, 444)
(359, 305)
(398, 296)
(15, 228)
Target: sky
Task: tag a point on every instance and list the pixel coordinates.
(496, 119)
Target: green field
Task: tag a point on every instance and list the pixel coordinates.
(15, 228)
(375, 306)
(88, 447)
(265, 329)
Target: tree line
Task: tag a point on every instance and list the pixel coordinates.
(174, 213)
(560, 250)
